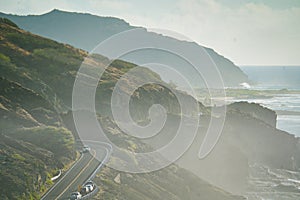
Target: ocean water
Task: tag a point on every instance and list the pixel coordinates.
(277, 78)
(289, 123)
(273, 77)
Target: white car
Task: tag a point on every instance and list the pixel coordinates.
(86, 149)
(75, 196)
(90, 187)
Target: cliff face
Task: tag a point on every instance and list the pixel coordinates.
(225, 167)
(85, 31)
(249, 136)
(261, 142)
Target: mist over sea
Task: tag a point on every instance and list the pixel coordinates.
(278, 78)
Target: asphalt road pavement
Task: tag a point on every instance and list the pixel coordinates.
(77, 175)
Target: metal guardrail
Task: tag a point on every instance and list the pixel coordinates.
(57, 176)
(53, 186)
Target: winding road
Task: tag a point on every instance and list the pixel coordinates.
(84, 169)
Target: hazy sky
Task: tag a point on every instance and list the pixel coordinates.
(249, 32)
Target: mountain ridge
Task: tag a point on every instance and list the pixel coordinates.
(85, 31)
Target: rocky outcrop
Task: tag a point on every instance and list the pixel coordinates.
(255, 110)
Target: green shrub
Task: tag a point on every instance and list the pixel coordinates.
(4, 58)
(60, 141)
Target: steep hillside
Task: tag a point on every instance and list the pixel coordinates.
(85, 31)
(43, 66)
(29, 129)
(37, 76)
(30, 124)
